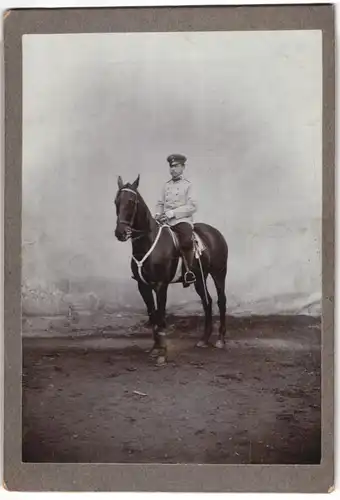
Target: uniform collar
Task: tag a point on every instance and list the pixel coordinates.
(177, 180)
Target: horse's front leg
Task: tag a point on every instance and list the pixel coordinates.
(146, 292)
(159, 328)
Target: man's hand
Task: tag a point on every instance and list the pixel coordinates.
(170, 214)
(161, 218)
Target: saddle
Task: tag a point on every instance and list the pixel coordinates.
(198, 244)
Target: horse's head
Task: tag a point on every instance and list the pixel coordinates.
(126, 208)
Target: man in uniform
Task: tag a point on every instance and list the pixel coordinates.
(176, 207)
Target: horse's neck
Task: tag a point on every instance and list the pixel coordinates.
(144, 222)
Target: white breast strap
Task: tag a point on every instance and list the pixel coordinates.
(151, 249)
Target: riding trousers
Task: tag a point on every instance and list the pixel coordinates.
(184, 232)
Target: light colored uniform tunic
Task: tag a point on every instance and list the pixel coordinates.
(177, 201)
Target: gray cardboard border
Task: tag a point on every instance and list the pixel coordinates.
(20, 476)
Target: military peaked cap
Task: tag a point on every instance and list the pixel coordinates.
(173, 159)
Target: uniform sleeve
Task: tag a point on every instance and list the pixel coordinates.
(160, 203)
(190, 206)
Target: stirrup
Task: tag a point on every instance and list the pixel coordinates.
(189, 278)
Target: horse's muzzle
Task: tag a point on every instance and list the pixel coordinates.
(123, 233)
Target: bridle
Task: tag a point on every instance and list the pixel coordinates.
(129, 223)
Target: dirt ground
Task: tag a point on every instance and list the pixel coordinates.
(99, 398)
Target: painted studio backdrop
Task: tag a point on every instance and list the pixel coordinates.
(245, 108)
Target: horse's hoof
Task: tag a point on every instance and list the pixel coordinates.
(154, 353)
(202, 343)
(161, 361)
(220, 344)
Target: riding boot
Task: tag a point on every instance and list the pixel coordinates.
(189, 276)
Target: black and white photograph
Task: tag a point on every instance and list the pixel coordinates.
(171, 247)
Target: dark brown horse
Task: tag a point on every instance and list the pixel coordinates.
(155, 260)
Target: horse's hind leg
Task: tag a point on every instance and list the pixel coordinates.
(147, 295)
(202, 290)
(219, 280)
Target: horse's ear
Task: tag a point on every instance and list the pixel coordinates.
(136, 183)
(120, 182)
